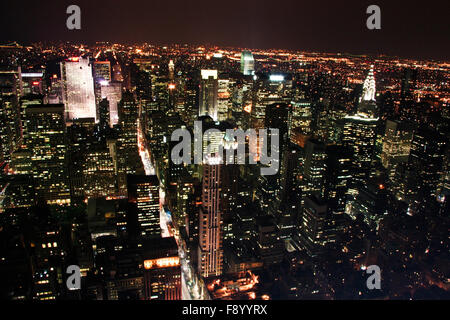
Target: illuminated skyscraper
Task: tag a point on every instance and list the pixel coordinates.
(224, 101)
(208, 94)
(127, 147)
(360, 133)
(171, 70)
(144, 191)
(10, 128)
(360, 129)
(247, 63)
(314, 173)
(313, 236)
(367, 103)
(102, 71)
(113, 92)
(396, 145)
(210, 259)
(46, 139)
(98, 172)
(302, 115)
(427, 164)
(78, 89)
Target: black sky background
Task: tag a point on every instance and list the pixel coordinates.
(418, 29)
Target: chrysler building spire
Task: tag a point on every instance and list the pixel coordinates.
(369, 87)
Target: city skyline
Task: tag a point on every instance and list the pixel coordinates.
(144, 171)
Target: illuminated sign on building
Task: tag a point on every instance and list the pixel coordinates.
(162, 263)
(276, 77)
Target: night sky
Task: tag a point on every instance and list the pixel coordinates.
(418, 29)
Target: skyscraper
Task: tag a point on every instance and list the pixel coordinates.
(127, 148)
(313, 226)
(360, 129)
(396, 145)
(45, 137)
(144, 191)
(426, 161)
(113, 92)
(247, 63)
(98, 172)
(210, 259)
(102, 71)
(314, 171)
(367, 102)
(208, 94)
(103, 112)
(78, 88)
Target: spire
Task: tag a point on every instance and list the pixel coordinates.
(367, 105)
(369, 87)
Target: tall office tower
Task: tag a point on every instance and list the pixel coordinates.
(289, 210)
(80, 139)
(371, 202)
(208, 94)
(102, 71)
(171, 70)
(46, 140)
(141, 83)
(78, 89)
(269, 246)
(210, 254)
(193, 222)
(360, 130)
(313, 235)
(396, 145)
(10, 127)
(113, 92)
(185, 188)
(338, 173)
(144, 191)
(247, 63)
(103, 113)
(302, 115)
(426, 161)
(223, 99)
(360, 133)
(409, 81)
(127, 148)
(162, 270)
(314, 168)
(98, 173)
(279, 116)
